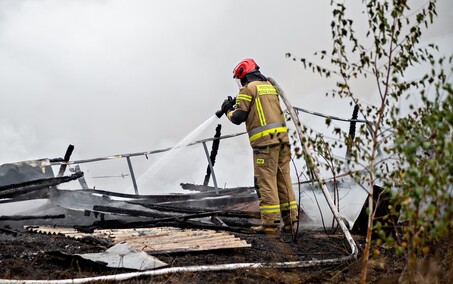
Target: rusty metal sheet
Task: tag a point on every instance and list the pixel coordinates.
(158, 240)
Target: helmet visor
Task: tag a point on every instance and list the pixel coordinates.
(238, 82)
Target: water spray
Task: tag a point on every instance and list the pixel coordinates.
(145, 178)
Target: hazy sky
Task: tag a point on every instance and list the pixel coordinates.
(116, 77)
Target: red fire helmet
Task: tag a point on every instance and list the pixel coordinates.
(244, 67)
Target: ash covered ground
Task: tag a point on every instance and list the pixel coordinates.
(28, 255)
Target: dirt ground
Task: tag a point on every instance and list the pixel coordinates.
(27, 255)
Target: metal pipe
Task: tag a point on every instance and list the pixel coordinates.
(119, 156)
(82, 181)
(131, 170)
(211, 167)
(330, 116)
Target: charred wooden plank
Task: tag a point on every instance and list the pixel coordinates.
(22, 217)
(141, 213)
(219, 202)
(225, 213)
(8, 231)
(216, 220)
(66, 158)
(240, 191)
(129, 212)
(194, 224)
(122, 224)
(238, 223)
(205, 188)
(213, 155)
(12, 190)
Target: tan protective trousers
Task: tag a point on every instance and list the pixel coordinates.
(273, 185)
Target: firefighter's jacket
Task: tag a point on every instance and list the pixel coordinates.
(258, 105)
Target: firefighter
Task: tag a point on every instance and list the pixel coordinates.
(258, 105)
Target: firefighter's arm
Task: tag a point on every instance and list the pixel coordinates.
(237, 116)
(240, 111)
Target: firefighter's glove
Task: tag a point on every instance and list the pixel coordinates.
(228, 105)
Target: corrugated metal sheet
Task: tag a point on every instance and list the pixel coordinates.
(157, 240)
(122, 255)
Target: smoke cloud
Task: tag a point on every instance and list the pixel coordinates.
(113, 77)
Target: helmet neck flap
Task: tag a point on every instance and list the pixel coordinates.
(255, 75)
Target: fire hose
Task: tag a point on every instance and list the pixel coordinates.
(311, 166)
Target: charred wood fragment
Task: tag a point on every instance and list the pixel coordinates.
(12, 190)
(221, 202)
(22, 217)
(217, 221)
(8, 231)
(184, 224)
(213, 155)
(160, 217)
(129, 212)
(83, 184)
(66, 158)
(37, 181)
(85, 229)
(352, 129)
(200, 225)
(238, 191)
(207, 189)
(82, 181)
(223, 213)
(239, 223)
(97, 241)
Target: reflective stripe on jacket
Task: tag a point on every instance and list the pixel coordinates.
(265, 121)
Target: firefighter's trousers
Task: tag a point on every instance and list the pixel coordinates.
(273, 185)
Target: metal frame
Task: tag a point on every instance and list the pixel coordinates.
(129, 162)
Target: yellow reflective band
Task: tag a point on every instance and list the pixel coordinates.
(288, 207)
(270, 208)
(267, 211)
(266, 90)
(286, 204)
(260, 161)
(243, 97)
(267, 132)
(259, 109)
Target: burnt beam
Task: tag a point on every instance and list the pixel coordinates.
(214, 151)
(22, 217)
(189, 210)
(159, 216)
(12, 190)
(66, 158)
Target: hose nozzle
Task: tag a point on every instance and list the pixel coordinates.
(219, 113)
(226, 106)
